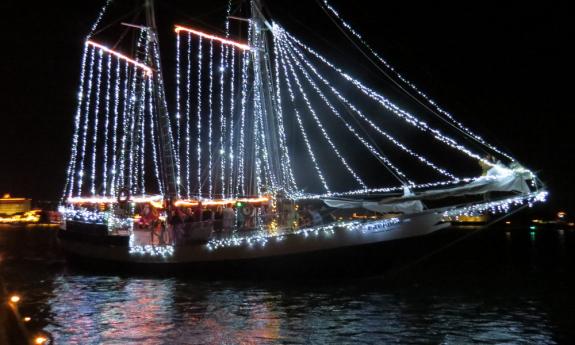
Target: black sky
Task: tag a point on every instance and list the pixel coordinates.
(504, 71)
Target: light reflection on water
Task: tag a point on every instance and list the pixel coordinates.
(77, 308)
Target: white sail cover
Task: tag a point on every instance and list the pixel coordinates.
(498, 179)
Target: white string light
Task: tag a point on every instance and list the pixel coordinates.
(154, 136)
(383, 159)
(199, 124)
(178, 103)
(394, 109)
(231, 130)
(69, 185)
(106, 123)
(86, 122)
(188, 118)
(241, 181)
(112, 190)
(224, 51)
(413, 86)
(318, 122)
(210, 117)
(301, 127)
(287, 171)
(355, 110)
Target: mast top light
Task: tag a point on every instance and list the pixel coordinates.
(240, 45)
(148, 69)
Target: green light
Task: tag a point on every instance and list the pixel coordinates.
(239, 204)
(532, 227)
(532, 233)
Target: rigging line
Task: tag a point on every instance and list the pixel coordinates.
(390, 106)
(348, 106)
(137, 13)
(317, 120)
(298, 118)
(457, 126)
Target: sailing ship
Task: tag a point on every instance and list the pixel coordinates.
(265, 161)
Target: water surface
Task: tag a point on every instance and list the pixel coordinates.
(497, 286)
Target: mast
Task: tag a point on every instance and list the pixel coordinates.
(167, 159)
(264, 85)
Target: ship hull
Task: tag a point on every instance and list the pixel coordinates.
(341, 252)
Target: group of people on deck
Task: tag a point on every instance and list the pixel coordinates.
(184, 223)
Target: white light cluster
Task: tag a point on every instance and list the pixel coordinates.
(163, 251)
(414, 87)
(497, 207)
(263, 237)
(83, 215)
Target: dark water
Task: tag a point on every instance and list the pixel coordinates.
(493, 288)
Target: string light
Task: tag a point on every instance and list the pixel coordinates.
(319, 124)
(356, 110)
(96, 122)
(201, 35)
(223, 53)
(413, 86)
(85, 123)
(231, 115)
(210, 117)
(112, 190)
(101, 47)
(302, 130)
(199, 124)
(289, 180)
(178, 103)
(397, 173)
(410, 119)
(69, 185)
(106, 123)
(241, 181)
(188, 116)
(153, 137)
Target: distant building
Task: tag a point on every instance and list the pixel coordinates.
(10, 206)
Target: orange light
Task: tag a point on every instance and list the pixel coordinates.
(27, 319)
(40, 340)
(121, 56)
(212, 37)
(15, 299)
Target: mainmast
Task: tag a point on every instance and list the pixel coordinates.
(167, 159)
(263, 84)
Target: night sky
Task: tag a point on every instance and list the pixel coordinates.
(501, 70)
